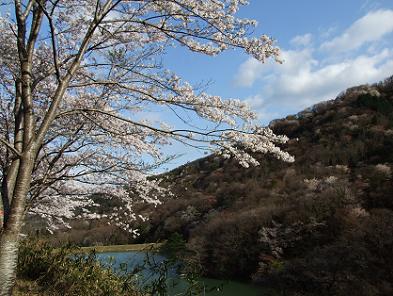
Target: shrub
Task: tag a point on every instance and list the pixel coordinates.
(63, 272)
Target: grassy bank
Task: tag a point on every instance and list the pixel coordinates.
(123, 248)
(26, 288)
(46, 271)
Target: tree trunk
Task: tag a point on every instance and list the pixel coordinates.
(5, 205)
(8, 262)
(9, 241)
(7, 189)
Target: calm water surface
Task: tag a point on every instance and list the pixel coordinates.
(175, 285)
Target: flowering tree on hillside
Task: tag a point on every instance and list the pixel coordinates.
(75, 74)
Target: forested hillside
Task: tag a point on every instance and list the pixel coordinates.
(322, 223)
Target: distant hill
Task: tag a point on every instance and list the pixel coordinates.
(323, 222)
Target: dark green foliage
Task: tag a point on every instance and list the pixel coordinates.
(174, 246)
(379, 104)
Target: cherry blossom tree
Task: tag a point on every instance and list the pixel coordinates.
(75, 79)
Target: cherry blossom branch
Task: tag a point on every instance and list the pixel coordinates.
(96, 64)
(170, 132)
(50, 115)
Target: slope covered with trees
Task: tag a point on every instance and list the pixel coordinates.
(324, 222)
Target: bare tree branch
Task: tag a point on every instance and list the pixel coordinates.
(11, 148)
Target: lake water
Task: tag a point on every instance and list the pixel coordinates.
(176, 286)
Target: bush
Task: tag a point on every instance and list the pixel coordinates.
(63, 272)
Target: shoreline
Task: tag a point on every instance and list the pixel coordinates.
(123, 248)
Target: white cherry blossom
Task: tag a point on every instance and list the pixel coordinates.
(75, 79)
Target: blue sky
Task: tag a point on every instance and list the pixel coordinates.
(327, 46)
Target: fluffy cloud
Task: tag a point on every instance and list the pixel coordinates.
(310, 74)
(249, 71)
(371, 27)
(314, 82)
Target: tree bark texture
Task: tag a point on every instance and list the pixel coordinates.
(10, 237)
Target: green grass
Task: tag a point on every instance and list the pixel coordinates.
(123, 248)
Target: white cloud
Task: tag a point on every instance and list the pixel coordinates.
(311, 84)
(372, 27)
(302, 40)
(293, 89)
(310, 75)
(250, 71)
(259, 105)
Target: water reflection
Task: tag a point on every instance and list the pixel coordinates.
(129, 261)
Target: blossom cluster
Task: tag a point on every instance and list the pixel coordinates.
(98, 65)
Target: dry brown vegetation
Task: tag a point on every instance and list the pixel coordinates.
(322, 223)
